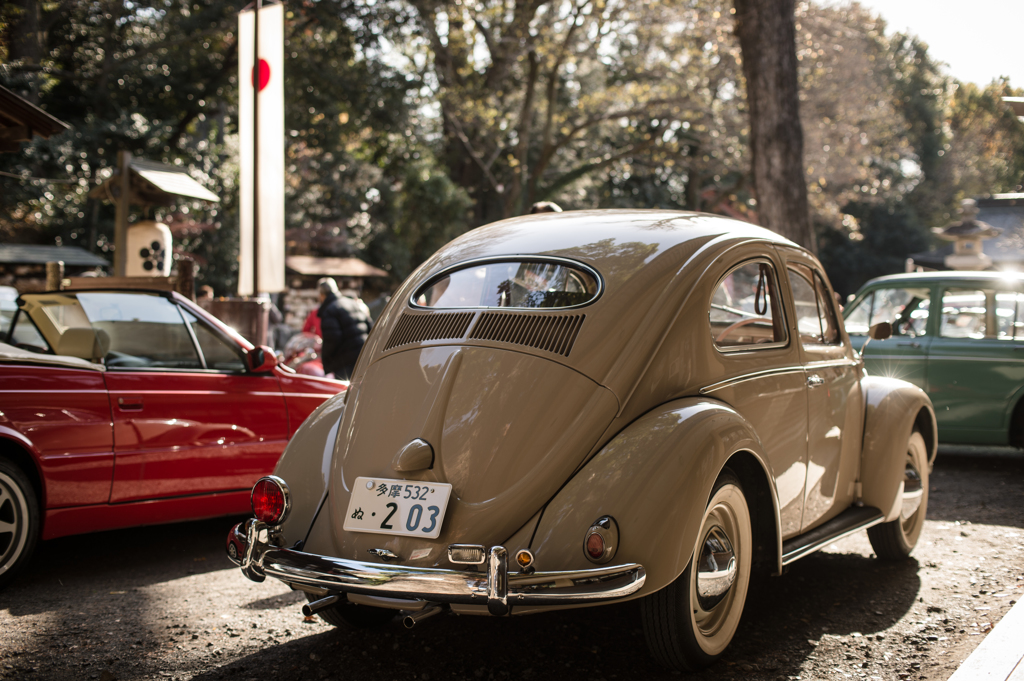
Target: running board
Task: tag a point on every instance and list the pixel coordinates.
(851, 520)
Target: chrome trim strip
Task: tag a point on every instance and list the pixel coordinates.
(750, 377)
(958, 358)
(510, 258)
(750, 347)
(437, 585)
(799, 553)
(828, 363)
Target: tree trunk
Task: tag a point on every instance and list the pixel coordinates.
(767, 40)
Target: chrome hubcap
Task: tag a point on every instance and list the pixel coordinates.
(13, 510)
(716, 568)
(913, 491)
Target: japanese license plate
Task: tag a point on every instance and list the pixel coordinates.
(382, 506)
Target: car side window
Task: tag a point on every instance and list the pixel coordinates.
(963, 314)
(827, 312)
(815, 315)
(217, 352)
(905, 308)
(25, 335)
(745, 308)
(805, 300)
(143, 331)
(1010, 314)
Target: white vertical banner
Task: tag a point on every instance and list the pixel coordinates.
(270, 225)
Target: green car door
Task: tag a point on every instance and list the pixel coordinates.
(905, 354)
(976, 363)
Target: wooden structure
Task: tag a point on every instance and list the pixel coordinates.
(144, 183)
(21, 119)
(24, 266)
(304, 270)
(183, 282)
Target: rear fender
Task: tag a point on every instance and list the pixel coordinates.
(654, 478)
(892, 408)
(15, 446)
(306, 465)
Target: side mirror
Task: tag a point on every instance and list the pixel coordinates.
(261, 359)
(880, 331)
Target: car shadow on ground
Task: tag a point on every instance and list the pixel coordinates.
(116, 561)
(964, 475)
(822, 594)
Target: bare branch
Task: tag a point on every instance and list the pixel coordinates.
(591, 166)
(457, 127)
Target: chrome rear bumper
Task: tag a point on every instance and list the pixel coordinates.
(498, 589)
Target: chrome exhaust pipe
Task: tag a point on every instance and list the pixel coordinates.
(411, 619)
(310, 609)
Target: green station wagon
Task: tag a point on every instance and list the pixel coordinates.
(960, 337)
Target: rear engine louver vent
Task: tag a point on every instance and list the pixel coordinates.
(428, 327)
(545, 332)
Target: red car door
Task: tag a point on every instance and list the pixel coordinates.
(61, 413)
(188, 417)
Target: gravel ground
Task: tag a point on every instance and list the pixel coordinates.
(164, 603)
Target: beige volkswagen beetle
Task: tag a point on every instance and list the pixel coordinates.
(571, 409)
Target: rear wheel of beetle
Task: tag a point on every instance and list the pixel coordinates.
(345, 614)
(19, 520)
(895, 539)
(690, 623)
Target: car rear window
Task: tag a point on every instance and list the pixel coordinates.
(512, 284)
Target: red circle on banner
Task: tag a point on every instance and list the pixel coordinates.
(264, 74)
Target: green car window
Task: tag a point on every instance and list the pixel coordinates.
(1010, 314)
(905, 308)
(963, 314)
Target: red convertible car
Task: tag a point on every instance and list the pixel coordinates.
(122, 408)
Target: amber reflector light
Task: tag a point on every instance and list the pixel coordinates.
(595, 546)
(268, 501)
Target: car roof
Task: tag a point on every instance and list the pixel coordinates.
(617, 243)
(945, 276)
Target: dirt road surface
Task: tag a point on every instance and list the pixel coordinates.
(163, 603)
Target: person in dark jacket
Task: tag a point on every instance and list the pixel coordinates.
(344, 324)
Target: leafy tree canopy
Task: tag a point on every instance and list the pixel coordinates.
(409, 122)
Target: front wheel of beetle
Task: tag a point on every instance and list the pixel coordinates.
(690, 623)
(895, 540)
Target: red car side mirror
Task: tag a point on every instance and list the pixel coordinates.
(261, 359)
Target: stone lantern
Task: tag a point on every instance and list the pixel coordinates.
(967, 236)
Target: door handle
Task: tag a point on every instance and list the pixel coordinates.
(814, 381)
(910, 344)
(129, 403)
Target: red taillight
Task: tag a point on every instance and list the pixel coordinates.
(270, 500)
(601, 540)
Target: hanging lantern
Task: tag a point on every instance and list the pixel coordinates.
(149, 249)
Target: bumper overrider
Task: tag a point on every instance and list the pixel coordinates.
(249, 546)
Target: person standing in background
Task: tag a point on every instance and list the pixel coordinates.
(312, 323)
(345, 324)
